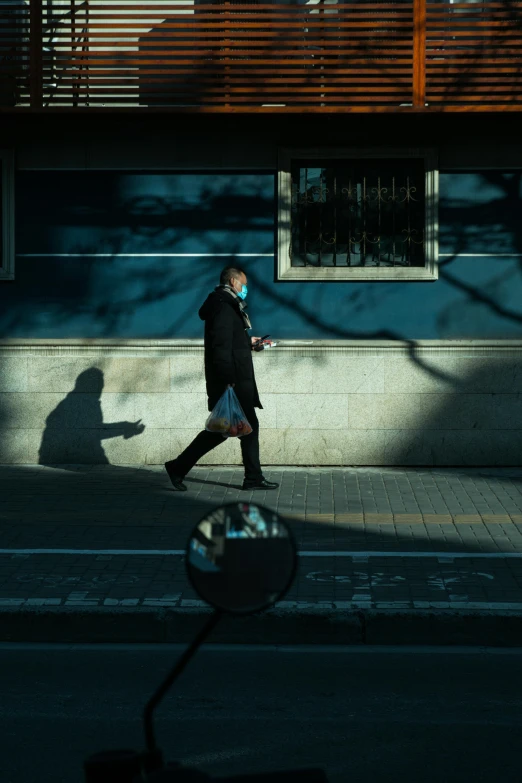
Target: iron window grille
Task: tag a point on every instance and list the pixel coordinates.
(357, 215)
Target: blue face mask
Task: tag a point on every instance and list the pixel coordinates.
(243, 293)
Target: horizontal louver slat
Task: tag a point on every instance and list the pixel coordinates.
(246, 56)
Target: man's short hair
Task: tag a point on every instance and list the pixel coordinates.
(230, 271)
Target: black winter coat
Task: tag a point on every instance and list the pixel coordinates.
(228, 350)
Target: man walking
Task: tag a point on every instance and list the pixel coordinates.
(228, 360)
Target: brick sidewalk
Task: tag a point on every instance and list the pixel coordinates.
(368, 537)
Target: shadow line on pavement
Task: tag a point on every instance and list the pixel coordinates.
(214, 483)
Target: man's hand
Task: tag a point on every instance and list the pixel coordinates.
(261, 346)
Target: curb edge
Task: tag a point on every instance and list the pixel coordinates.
(276, 626)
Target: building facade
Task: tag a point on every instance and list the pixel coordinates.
(361, 161)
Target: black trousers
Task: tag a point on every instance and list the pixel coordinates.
(206, 441)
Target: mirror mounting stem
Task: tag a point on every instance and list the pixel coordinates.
(153, 757)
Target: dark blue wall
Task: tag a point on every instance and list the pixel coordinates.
(118, 295)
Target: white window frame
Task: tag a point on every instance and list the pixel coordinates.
(285, 270)
(7, 208)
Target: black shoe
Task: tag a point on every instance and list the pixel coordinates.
(176, 481)
(261, 484)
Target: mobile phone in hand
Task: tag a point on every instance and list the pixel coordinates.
(264, 343)
(258, 345)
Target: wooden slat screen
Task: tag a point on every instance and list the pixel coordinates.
(474, 54)
(226, 55)
(314, 55)
(14, 50)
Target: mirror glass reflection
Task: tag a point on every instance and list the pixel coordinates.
(241, 558)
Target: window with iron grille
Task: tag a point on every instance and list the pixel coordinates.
(360, 214)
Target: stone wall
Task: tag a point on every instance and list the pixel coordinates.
(325, 403)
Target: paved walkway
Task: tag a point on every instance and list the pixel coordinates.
(407, 538)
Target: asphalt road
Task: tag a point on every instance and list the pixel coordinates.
(365, 715)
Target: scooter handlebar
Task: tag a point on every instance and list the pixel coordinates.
(187, 775)
(123, 766)
(291, 776)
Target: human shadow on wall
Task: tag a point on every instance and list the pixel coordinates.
(75, 429)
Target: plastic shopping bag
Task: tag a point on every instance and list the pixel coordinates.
(228, 418)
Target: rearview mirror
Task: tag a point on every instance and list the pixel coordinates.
(241, 558)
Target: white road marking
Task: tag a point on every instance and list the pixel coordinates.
(56, 580)
(438, 555)
(151, 552)
(386, 580)
(357, 556)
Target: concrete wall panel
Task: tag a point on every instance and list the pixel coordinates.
(332, 403)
